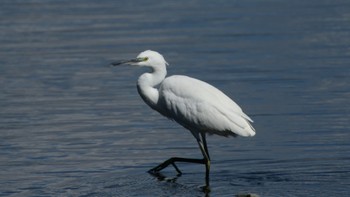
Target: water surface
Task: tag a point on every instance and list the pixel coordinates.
(71, 125)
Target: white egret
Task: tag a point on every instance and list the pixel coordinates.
(194, 104)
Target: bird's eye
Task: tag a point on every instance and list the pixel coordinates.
(145, 59)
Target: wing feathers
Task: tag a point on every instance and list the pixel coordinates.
(199, 106)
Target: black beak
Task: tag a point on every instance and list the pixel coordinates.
(132, 61)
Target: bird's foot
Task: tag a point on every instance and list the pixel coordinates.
(205, 189)
(163, 165)
(161, 177)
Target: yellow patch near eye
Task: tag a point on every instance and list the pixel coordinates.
(145, 59)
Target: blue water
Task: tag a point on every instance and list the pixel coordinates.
(71, 125)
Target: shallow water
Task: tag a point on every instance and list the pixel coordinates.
(71, 125)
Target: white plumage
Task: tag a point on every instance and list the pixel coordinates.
(194, 104)
(199, 106)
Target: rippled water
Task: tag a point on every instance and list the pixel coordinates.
(70, 125)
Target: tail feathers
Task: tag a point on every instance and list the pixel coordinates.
(251, 129)
(245, 116)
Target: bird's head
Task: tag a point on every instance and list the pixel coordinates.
(146, 58)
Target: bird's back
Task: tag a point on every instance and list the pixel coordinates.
(199, 106)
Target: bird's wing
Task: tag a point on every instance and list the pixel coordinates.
(199, 106)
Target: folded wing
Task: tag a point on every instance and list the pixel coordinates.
(199, 106)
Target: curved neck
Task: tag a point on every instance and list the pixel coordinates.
(147, 82)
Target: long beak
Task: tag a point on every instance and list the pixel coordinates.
(132, 61)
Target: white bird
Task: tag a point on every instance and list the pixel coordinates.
(194, 104)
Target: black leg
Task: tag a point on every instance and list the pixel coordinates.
(203, 146)
(172, 161)
(206, 160)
